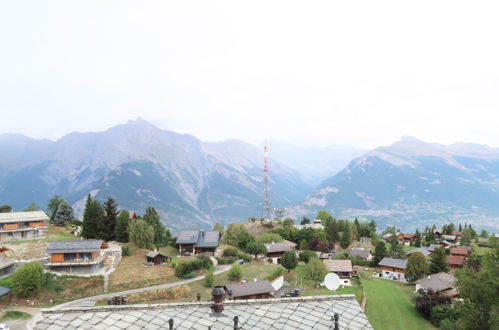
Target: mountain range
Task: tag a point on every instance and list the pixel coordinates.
(410, 183)
(192, 183)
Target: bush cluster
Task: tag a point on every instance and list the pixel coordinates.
(231, 254)
(125, 251)
(275, 274)
(184, 268)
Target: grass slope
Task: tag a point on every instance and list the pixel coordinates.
(389, 305)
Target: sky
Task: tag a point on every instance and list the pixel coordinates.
(359, 73)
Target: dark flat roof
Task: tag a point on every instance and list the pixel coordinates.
(395, 263)
(86, 245)
(200, 238)
(250, 288)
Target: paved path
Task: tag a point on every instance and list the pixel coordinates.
(76, 303)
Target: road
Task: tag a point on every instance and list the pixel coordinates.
(76, 303)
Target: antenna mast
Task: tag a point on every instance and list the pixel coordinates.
(266, 214)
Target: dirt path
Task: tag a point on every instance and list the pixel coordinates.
(76, 303)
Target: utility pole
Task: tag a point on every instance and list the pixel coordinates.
(266, 212)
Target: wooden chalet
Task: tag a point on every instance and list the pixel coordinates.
(393, 269)
(342, 268)
(406, 239)
(16, 226)
(198, 241)
(79, 256)
(443, 283)
(455, 261)
(156, 258)
(275, 251)
(460, 251)
(360, 253)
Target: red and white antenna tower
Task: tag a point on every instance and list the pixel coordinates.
(266, 214)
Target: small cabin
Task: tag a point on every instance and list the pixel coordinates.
(393, 268)
(156, 258)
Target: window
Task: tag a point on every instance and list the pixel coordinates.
(85, 256)
(69, 256)
(1, 226)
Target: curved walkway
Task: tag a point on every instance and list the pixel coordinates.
(76, 303)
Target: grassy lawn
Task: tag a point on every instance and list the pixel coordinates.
(54, 233)
(480, 250)
(405, 247)
(389, 305)
(132, 271)
(297, 278)
(59, 289)
(15, 315)
(188, 292)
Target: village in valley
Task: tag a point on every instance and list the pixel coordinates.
(124, 270)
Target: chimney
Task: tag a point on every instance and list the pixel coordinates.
(336, 321)
(236, 322)
(218, 299)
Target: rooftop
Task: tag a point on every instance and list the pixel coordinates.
(437, 282)
(277, 247)
(395, 263)
(249, 288)
(23, 216)
(455, 260)
(152, 254)
(358, 252)
(464, 251)
(339, 265)
(277, 313)
(424, 250)
(200, 238)
(85, 245)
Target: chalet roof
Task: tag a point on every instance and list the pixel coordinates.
(277, 247)
(86, 245)
(358, 252)
(339, 265)
(152, 254)
(23, 216)
(409, 236)
(433, 247)
(200, 238)
(302, 313)
(462, 251)
(249, 288)
(438, 282)
(392, 262)
(424, 250)
(456, 233)
(455, 260)
(449, 237)
(291, 244)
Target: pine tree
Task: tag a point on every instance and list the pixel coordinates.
(346, 236)
(63, 214)
(438, 262)
(417, 243)
(460, 227)
(357, 226)
(379, 252)
(93, 217)
(121, 230)
(109, 224)
(396, 250)
(161, 234)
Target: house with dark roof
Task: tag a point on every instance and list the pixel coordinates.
(360, 253)
(342, 268)
(449, 238)
(424, 250)
(275, 251)
(406, 239)
(198, 241)
(249, 290)
(455, 261)
(304, 313)
(79, 256)
(15, 226)
(156, 258)
(393, 269)
(443, 283)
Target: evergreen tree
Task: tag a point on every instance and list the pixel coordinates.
(379, 252)
(346, 236)
(331, 231)
(109, 224)
(161, 234)
(93, 217)
(63, 214)
(460, 227)
(121, 230)
(303, 245)
(372, 227)
(357, 226)
(305, 221)
(289, 260)
(52, 205)
(396, 250)
(416, 267)
(417, 243)
(438, 262)
(466, 237)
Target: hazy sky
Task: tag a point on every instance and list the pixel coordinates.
(309, 72)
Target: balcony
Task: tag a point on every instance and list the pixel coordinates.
(78, 262)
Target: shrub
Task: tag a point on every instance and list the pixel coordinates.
(190, 266)
(306, 255)
(289, 260)
(189, 275)
(235, 273)
(275, 274)
(28, 279)
(231, 252)
(52, 284)
(209, 279)
(204, 261)
(443, 312)
(125, 251)
(77, 222)
(315, 270)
